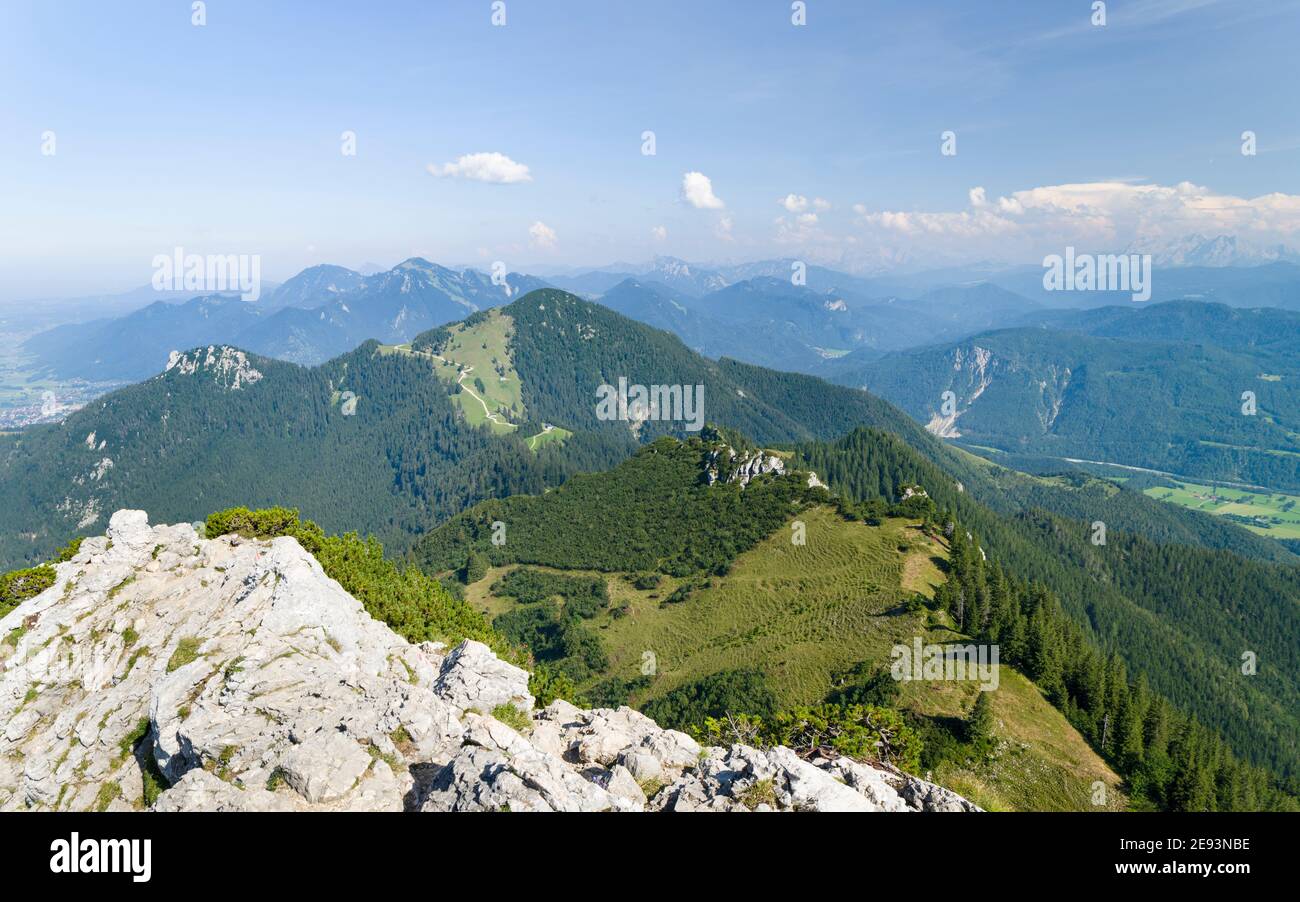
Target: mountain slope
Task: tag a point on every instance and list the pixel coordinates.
(1167, 404)
(1181, 615)
(565, 348)
(137, 345)
(314, 285)
(177, 445)
(222, 427)
(734, 594)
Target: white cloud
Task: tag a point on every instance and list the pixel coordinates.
(797, 203)
(660, 233)
(1106, 215)
(541, 235)
(697, 188)
(483, 167)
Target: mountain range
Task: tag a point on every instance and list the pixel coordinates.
(782, 313)
(401, 440)
(318, 314)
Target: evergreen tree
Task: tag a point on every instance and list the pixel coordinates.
(476, 567)
(979, 723)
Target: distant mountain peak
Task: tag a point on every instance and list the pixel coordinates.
(1221, 250)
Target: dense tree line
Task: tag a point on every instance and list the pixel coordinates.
(1181, 616)
(869, 463)
(1169, 760)
(1190, 651)
(654, 512)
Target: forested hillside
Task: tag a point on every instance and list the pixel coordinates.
(1182, 615)
(565, 348)
(1164, 389)
(372, 441)
(368, 442)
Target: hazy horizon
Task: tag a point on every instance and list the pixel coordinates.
(865, 137)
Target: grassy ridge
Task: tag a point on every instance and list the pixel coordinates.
(800, 614)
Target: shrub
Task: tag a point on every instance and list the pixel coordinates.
(979, 724)
(512, 717)
(68, 551)
(476, 566)
(526, 585)
(864, 684)
(547, 684)
(866, 732)
(20, 585)
(107, 793)
(717, 695)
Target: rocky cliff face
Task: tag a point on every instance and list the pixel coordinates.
(166, 671)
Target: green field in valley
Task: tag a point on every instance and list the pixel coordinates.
(1274, 514)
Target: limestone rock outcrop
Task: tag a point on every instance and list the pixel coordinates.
(727, 465)
(163, 670)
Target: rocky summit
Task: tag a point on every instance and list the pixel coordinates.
(166, 671)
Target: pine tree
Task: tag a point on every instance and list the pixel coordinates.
(476, 566)
(979, 724)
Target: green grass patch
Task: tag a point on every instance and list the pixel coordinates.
(187, 650)
(512, 717)
(107, 793)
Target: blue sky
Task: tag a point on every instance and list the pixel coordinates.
(226, 138)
